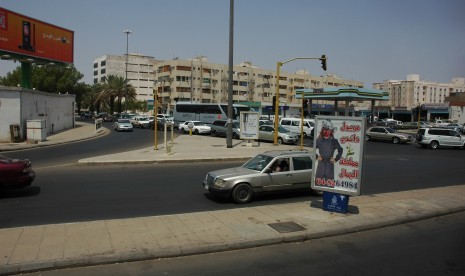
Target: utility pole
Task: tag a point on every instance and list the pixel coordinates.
(230, 74)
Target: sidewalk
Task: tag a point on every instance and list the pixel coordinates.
(53, 246)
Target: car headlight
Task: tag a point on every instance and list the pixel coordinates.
(220, 183)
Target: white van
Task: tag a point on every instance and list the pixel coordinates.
(293, 125)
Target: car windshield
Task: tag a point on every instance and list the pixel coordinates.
(198, 124)
(123, 121)
(282, 129)
(258, 163)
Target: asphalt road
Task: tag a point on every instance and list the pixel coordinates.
(431, 247)
(64, 192)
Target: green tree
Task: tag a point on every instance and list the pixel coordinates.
(114, 89)
(52, 79)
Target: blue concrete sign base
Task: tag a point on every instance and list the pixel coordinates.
(334, 202)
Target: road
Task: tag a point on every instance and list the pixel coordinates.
(64, 192)
(431, 247)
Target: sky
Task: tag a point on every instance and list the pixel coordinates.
(364, 40)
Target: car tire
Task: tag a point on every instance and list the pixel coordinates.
(434, 144)
(396, 140)
(242, 193)
(196, 132)
(235, 135)
(213, 133)
(280, 140)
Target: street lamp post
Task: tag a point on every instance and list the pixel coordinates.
(323, 59)
(127, 32)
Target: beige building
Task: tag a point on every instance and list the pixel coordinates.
(406, 95)
(200, 81)
(139, 72)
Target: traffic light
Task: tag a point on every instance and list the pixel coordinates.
(273, 104)
(323, 62)
(305, 107)
(304, 104)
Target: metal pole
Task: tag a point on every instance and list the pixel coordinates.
(302, 124)
(230, 74)
(155, 120)
(127, 32)
(276, 108)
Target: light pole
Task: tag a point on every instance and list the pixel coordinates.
(127, 32)
(323, 59)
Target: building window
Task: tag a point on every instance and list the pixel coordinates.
(103, 63)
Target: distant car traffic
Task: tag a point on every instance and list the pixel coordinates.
(197, 127)
(220, 128)
(388, 134)
(267, 172)
(266, 133)
(15, 173)
(455, 126)
(123, 125)
(86, 114)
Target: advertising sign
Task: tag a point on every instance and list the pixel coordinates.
(33, 38)
(339, 150)
(249, 125)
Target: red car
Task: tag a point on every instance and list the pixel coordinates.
(15, 173)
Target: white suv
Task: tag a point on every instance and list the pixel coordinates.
(436, 137)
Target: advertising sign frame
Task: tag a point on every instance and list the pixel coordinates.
(249, 122)
(22, 37)
(339, 145)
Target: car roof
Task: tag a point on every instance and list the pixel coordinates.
(275, 153)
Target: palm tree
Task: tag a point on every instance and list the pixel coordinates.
(114, 88)
(91, 98)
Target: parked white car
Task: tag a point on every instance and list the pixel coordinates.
(197, 127)
(294, 125)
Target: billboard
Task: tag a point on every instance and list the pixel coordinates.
(29, 37)
(339, 150)
(249, 125)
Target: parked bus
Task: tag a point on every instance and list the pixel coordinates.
(205, 112)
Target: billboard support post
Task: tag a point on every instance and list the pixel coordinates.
(26, 71)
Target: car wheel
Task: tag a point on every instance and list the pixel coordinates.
(280, 140)
(242, 193)
(396, 140)
(196, 132)
(434, 144)
(235, 135)
(213, 133)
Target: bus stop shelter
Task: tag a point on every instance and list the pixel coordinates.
(346, 94)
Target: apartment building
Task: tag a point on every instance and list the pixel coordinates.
(406, 95)
(200, 81)
(140, 72)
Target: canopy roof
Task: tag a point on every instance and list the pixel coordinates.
(343, 94)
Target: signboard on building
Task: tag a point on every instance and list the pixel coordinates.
(339, 150)
(249, 125)
(25, 36)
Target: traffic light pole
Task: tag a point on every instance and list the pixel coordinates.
(276, 108)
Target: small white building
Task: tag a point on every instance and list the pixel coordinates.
(19, 105)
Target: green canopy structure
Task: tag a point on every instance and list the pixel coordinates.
(346, 94)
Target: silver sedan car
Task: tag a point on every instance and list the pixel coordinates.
(278, 170)
(122, 125)
(266, 133)
(388, 134)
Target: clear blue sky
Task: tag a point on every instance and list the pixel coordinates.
(364, 40)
